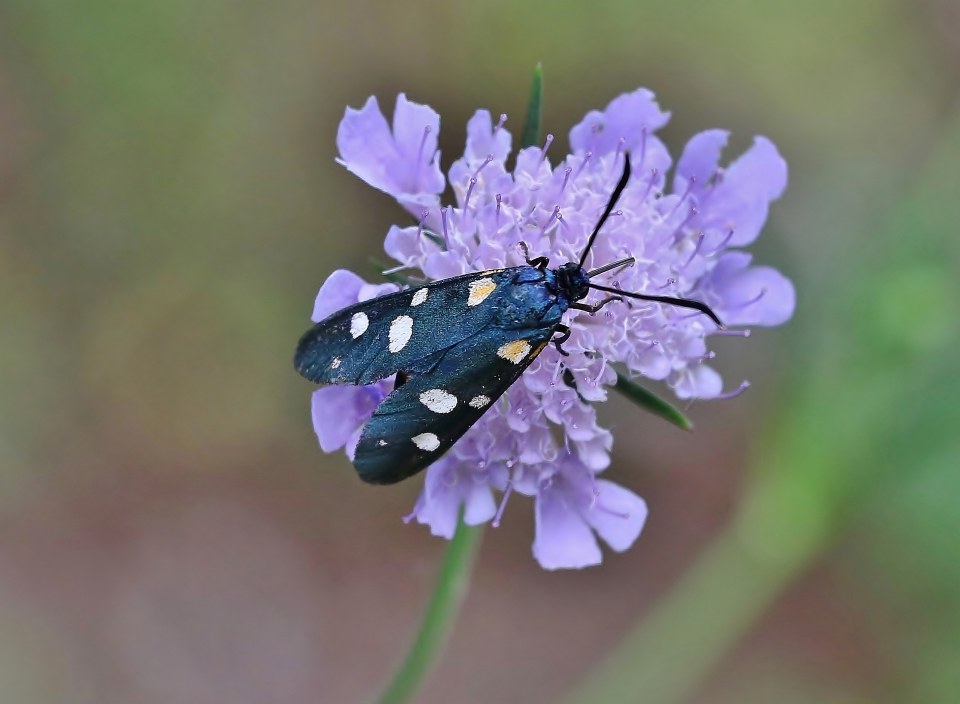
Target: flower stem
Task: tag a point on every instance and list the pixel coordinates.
(448, 594)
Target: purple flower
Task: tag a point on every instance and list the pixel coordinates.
(542, 439)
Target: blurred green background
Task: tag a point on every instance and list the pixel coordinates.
(169, 204)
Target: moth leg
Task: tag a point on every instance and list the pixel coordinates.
(564, 336)
(593, 309)
(539, 262)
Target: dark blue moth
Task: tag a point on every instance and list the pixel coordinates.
(456, 346)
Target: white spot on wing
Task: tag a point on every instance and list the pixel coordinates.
(438, 400)
(400, 331)
(426, 441)
(381, 443)
(358, 324)
(419, 297)
(335, 364)
(479, 401)
(514, 351)
(479, 290)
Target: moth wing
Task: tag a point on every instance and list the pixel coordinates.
(374, 339)
(441, 399)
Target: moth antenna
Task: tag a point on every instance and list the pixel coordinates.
(681, 302)
(614, 197)
(613, 265)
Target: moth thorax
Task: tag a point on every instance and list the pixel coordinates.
(573, 281)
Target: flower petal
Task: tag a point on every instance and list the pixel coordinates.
(617, 515)
(480, 506)
(339, 291)
(442, 497)
(366, 145)
(403, 163)
(752, 295)
(700, 158)
(563, 539)
(338, 411)
(631, 116)
(482, 140)
(700, 382)
(742, 198)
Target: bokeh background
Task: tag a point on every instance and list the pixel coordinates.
(169, 204)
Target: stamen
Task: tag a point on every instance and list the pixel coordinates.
(690, 184)
(500, 122)
(621, 143)
(696, 250)
(423, 217)
(485, 162)
(416, 507)
(545, 147)
(395, 269)
(654, 172)
(423, 143)
(677, 232)
(753, 300)
(554, 214)
(643, 147)
(498, 209)
(503, 504)
(719, 248)
(744, 385)
(618, 514)
(733, 333)
(704, 357)
(586, 158)
(566, 178)
(670, 282)
(603, 368)
(556, 373)
(446, 234)
(595, 130)
(473, 183)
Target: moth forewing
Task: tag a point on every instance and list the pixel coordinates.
(371, 340)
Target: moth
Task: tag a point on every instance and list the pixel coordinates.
(456, 345)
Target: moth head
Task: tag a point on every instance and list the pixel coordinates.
(573, 281)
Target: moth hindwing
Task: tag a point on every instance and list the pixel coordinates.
(444, 395)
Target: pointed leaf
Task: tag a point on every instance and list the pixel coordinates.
(534, 123)
(651, 402)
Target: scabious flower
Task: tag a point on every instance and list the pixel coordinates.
(542, 439)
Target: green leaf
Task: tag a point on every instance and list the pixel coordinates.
(651, 402)
(534, 123)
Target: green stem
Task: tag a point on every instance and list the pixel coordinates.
(450, 590)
